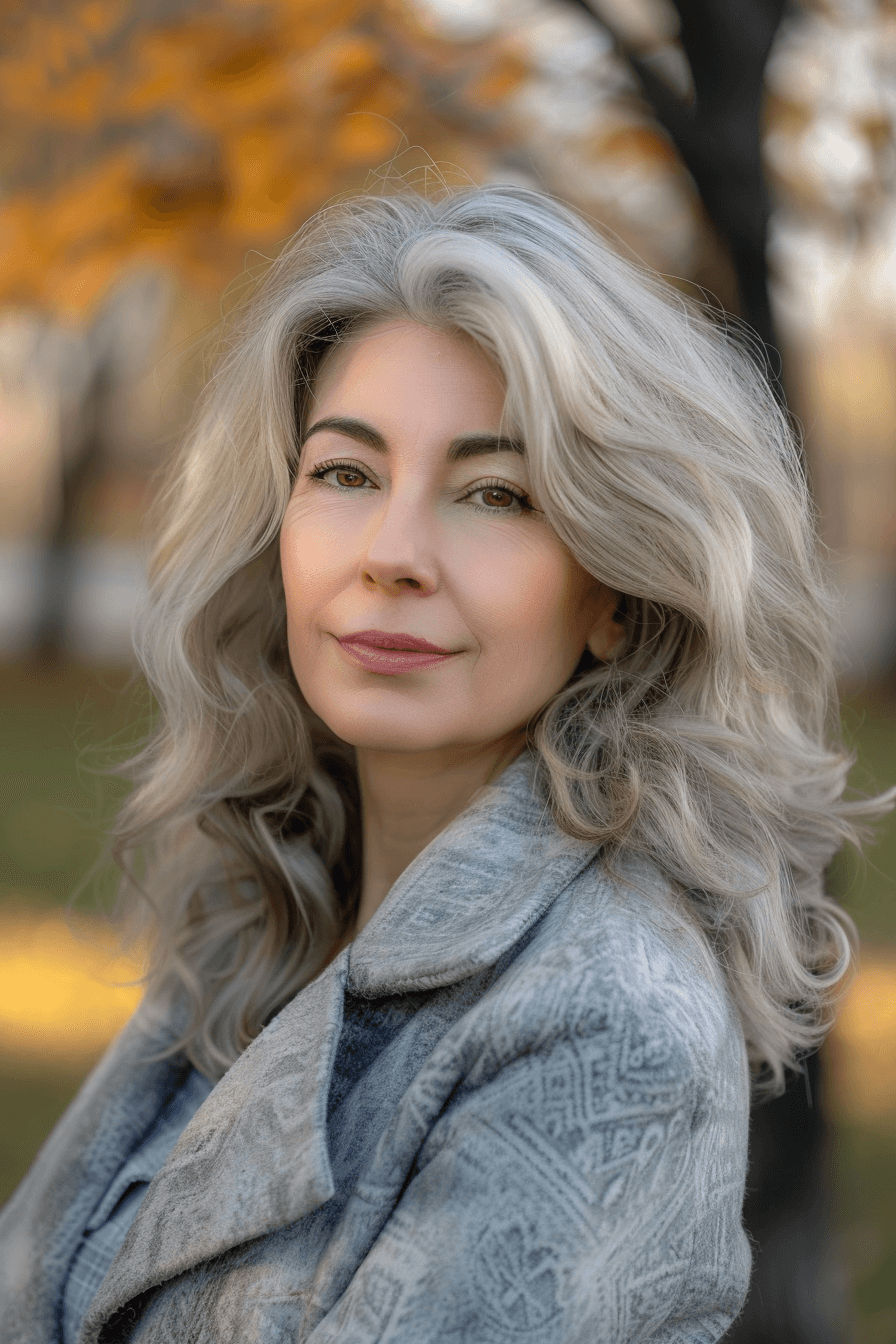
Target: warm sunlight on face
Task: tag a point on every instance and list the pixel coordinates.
(401, 529)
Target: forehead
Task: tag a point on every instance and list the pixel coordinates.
(397, 379)
(393, 344)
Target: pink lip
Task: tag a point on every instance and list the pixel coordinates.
(391, 639)
(389, 662)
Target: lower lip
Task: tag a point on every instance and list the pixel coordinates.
(390, 661)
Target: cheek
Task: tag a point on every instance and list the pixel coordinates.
(526, 607)
(289, 565)
(537, 589)
(305, 557)
(300, 590)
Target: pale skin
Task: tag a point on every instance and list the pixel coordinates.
(395, 541)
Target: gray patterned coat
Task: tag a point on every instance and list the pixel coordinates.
(514, 1109)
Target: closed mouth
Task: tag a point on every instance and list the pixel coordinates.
(382, 640)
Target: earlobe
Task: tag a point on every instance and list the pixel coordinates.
(608, 636)
(607, 642)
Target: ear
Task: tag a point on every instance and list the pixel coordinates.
(608, 634)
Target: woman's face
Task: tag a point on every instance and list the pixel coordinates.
(408, 540)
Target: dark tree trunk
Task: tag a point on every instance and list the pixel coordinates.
(718, 134)
(797, 1292)
(81, 452)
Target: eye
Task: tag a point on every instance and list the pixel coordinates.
(346, 468)
(520, 501)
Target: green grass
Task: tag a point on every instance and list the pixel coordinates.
(60, 729)
(867, 886)
(864, 1163)
(57, 727)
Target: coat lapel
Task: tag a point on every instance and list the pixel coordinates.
(253, 1158)
(472, 893)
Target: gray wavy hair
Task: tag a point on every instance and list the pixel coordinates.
(663, 462)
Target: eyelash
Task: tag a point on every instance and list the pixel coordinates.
(524, 505)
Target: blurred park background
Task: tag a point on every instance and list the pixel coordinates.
(154, 155)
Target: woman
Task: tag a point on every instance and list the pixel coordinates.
(485, 818)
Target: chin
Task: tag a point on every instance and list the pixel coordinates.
(382, 737)
(396, 730)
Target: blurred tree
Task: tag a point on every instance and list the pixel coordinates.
(188, 131)
(715, 123)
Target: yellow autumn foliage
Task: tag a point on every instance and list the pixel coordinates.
(64, 988)
(189, 140)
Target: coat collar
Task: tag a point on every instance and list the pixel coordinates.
(254, 1157)
(472, 892)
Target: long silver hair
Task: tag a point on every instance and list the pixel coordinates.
(710, 745)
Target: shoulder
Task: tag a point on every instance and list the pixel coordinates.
(617, 968)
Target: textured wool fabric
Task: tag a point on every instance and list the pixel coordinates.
(111, 1219)
(515, 1108)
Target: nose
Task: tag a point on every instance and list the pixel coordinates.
(401, 546)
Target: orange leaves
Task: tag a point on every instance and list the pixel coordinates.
(863, 1045)
(65, 989)
(262, 181)
(189, 198)
(192, 138)
(56, 68)
(301, 25)
(498, 81)
(243, 80)
(98, 18)
(49, 243)
(359, 139)
(91, 205)
(163, 66)
(636, 143)
(352, 58)
(82, 99)
(62, 46)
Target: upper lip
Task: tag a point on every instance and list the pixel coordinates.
(391, 639)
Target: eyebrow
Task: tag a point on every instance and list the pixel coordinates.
(466, 445)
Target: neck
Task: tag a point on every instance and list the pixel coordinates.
(408, 798)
